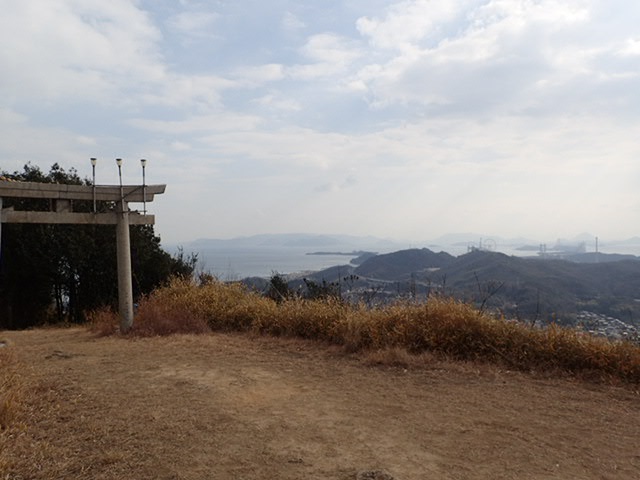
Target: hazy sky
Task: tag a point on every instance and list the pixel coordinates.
(401, 119)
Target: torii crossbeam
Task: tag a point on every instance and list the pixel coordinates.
(63, 196)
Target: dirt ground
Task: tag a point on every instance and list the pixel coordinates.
(238, 407)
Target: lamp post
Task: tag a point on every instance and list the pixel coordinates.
(119, 163)
(93, 168)
(143, 162)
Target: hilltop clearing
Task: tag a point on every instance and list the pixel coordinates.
(231, 406)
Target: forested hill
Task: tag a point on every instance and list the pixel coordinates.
(399, 265)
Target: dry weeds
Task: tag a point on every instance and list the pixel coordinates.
(11, 387)
(14, 394)
(442, 326)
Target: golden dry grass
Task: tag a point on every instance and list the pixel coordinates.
(442, 326)
(11, 387)
(13, 396)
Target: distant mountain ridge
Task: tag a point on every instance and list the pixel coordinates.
(354, 242)
(299, 240)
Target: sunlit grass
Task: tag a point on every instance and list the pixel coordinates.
(12, 390)
(442, 326)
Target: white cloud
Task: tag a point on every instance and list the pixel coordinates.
(291, 22)
(631, 47)
(75, 49)
(330, 48)
(196, 24)
(180, 146)
(221, 122)
(279, 102)
(508, 55)
(200, 92)
(331, 55)
(21, 142)
(408, 23)
(89, 141)
(89, 51)
(257, 75)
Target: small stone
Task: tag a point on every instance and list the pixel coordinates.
(374, 475)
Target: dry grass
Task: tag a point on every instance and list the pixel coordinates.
(11, 387)
(13, 393)
(398, 357)
(23, 455)
(441, 326)
(163, 318)
(103, 322)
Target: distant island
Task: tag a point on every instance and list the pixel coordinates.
(360, 256)
(346, 254)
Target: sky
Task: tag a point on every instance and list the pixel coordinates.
(399, 119)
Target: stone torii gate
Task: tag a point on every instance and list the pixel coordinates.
(62, 197)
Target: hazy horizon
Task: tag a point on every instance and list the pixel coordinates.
(455, 243)
(261, 255)
(402, 119)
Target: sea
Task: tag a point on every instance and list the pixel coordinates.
(230, 264)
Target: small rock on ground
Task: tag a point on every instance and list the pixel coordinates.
(374, 475)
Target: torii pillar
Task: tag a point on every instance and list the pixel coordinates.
(63, 195)
(125, 284)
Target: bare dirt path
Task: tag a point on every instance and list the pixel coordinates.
(235, 407)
